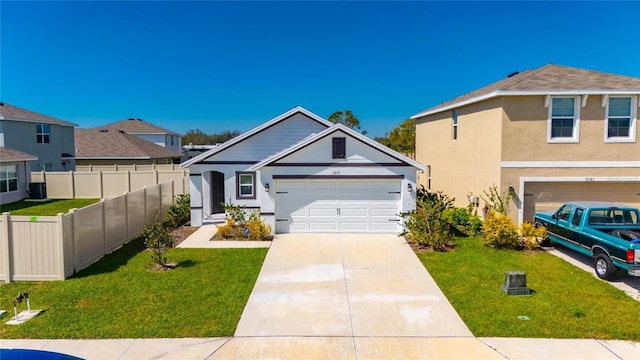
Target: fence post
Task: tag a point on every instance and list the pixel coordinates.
(72, 174)
(75, 240)
(128, 181)
(126, 215)
(101, 185)
(155, 177)
(104, 226)
(60, 238)
(146, 211)
(5, 240)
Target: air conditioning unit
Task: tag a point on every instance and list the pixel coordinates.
(38, 190)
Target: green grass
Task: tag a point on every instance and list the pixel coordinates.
(119, 297)
(49, 208)
(568, 302)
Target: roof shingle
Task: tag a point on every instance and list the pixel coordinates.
(7, 155)
(100, 144)
(10, 112)
(136, 126)
(550, 77)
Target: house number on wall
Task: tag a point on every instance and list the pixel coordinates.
(336, 172)
(589, 179)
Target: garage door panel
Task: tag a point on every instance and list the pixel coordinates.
(543, 196)
(319, 212)
(359, 212)
(311, 205)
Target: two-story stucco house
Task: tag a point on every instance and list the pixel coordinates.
(548, 135)
(49, 139)
(147, 131)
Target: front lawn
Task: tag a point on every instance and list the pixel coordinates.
(118, 297)
(568, 302)
(49, 208)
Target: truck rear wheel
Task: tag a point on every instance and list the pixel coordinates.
(604, 267)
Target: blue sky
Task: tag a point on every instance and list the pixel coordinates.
(232, 65)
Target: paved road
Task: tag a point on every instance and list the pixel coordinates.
(346, 285)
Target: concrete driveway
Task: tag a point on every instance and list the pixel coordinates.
(346, 285)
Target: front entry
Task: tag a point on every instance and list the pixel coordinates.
(217, 192)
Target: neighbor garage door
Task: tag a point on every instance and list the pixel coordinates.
(337, 205)
(541, 196)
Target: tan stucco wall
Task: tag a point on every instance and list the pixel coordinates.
(469, 164)
(525, 134)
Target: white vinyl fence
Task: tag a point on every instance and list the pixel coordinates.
(35, 248)
(107, 184)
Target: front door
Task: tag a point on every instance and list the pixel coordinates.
(217, 192)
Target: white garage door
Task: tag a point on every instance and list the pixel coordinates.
(338, 205)
(541, 196)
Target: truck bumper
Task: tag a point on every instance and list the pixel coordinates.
(634, 270)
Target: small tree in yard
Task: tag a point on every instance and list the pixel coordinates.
(496, 200)
(158, 239)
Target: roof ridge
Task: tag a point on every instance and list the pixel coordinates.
(531, 72)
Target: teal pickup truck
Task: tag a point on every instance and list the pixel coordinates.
(608, 232)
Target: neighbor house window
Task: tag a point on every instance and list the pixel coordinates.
(564, 120)
(46, 166)
(428, 177)
(246, 186)
(339, 146)
(43, 133)
(620, 124)
(8, 178)
(455, 124)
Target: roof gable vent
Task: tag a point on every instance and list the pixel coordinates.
(513, 74)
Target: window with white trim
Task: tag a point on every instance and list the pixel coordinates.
(564, 119)
(43, 133)
(8, 178)
(620, 122)
(428, 177)
(455, 124)
(246, 185)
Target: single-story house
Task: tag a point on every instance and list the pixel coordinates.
(305, 174)
(15, 174)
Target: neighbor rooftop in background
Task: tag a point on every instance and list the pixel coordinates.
(547, 80)
(114, 144)
(10, 112)
(136, 126)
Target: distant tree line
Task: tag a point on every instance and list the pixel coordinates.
(197, 137)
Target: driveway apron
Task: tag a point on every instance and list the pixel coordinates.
(346, 285)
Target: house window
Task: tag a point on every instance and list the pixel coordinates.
(455, 124)
(8, 178)
(246, 185)
(564, 120)
(46, 166)
(620, 124)
(339, 146)
(428, 177)
(43, 133)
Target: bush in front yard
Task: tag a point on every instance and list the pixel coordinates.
(428, 224)
(499, 231)
(158, 239)
(464, 220)
(179, 212)
(531, 236)
(238, 220)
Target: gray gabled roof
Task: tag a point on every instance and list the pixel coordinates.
(337, 127)
(250, 133)
(136, 126)
(547, 80)
(110, 144)
(10, 155)
(11, 112)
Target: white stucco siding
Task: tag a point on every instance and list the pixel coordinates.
(270, 141)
